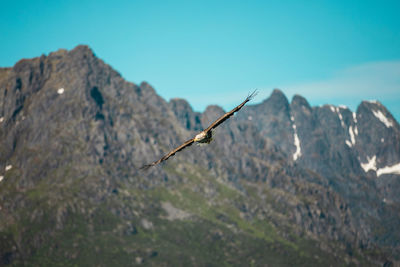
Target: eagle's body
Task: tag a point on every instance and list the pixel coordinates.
(205, 136)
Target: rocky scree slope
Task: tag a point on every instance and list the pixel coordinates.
(282, 183)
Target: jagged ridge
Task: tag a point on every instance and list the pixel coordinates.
(75, 186)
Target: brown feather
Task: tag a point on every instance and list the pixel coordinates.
(230, 113)
(170, 154)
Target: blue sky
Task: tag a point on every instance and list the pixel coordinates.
(216, 52)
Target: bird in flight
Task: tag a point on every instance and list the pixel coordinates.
(204, 136)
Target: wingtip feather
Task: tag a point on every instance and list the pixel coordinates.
(146, 167)
(252, 95)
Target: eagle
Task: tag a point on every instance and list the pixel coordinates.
(205, 136)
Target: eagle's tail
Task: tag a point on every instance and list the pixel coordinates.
(205, 143)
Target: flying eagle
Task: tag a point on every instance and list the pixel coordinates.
(204, 136)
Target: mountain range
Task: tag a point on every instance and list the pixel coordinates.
(282, 184)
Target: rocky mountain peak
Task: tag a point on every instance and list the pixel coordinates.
(186, 116)
(73, 133)
(278, 93)
(82, 50)
(300, 108)
(146, 86)
(211, 113)
(277, 101)
(374, 109)
(299, 101)
(180, 104)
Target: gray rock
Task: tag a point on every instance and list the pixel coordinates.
(75, 155)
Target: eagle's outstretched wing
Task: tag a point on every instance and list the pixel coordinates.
(230, 113)
(170, 154)
(212, 126)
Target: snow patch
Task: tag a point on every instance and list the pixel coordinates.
(1, 119)
(394, 169)
(341, 118)
(382, 118)
(373, 101)
(60, 91)
(356, 130)
(382, 140)
(352, 138)
(337, 110)
(370, 165)
(297, 153)
(348, 143)
(355, 117)
(343, 106)
(8, 167)
(249, 118)
(1, 178)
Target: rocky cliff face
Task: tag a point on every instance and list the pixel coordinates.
(281, 184)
